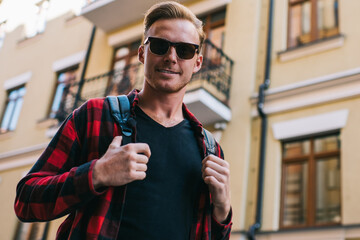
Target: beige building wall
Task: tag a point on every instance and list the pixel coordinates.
(349, 168)
(37, 55)
(242, 29)
(241, 43)
(311, 63)
(64, 37)
(290, 72)
(245, 43)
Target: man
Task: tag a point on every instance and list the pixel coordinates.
(160, 186)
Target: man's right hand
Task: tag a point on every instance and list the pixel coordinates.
(121, 164)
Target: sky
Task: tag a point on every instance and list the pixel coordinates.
(18, 12)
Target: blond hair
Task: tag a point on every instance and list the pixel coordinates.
(172, 10)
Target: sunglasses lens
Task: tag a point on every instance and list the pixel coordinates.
(159, 46)
(185, 51)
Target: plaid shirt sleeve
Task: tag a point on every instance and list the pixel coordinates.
(61, 179)
(221, 231)
(60, 182)
(206, 227)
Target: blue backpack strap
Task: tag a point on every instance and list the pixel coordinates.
(120, 110)
(209, 142)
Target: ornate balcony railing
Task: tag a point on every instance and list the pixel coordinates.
(214, 76)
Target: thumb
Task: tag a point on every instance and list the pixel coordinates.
(117, 141)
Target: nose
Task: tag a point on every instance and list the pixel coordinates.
(171, 55)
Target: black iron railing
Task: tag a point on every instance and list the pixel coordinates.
(216, 70)
(215, 73)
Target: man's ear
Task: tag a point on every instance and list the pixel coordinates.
(198, 63)
(141, 54)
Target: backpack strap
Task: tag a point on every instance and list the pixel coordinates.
(209, 142)
(120, 110)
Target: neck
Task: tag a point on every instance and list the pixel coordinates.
(164, 108)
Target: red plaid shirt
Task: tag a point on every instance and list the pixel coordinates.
(60, 182)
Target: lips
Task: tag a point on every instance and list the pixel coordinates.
(167, 71)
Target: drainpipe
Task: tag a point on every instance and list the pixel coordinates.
(260, 107)
(82, 78)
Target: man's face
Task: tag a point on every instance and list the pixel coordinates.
(168, 73)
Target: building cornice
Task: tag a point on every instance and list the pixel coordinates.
(310, 92)
(22, 161)
(20, 151)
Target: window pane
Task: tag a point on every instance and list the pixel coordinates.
(327, 144)
(295, 194)
(64, 94)
(203, 19)
(135, 45)
(217, 35)
(122, 52)
(306, 18)
(299, 23)
(295, 25)
(2, 33)
(328, 191)
(296, 149)
(327, 18)
(218, 16)
(16, 114)
(13, 108)
(57, 99)
(7, 116)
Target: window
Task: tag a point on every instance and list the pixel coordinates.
(65, 89)
(2, 33)
(126, 69)
(36, 24)
(311, 182)
(32, 231)
(214, 28)
(12, 110)
(311, 20)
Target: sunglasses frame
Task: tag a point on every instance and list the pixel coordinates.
(170, 44)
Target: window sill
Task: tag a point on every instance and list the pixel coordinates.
(72, 19)
(311, 48)
(28, 40)
(6, 135)
(47, 123)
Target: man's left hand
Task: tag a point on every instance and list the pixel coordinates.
(216, 174)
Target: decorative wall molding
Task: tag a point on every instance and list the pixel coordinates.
(203, 7)
(310, 125)
(17, 80)
(126, 36)
(310, 92)
(312, 48)
(23, 151)
(68, 61)
(136, 32)
(17, 163)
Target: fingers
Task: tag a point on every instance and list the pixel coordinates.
(215, 172)
(121, 164)
(215, 167)
(141, 167)
(138, 172)
(139, 148)
(217, 160)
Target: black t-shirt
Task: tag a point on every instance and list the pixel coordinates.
(163, 205)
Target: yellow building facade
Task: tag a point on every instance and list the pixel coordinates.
(310, 152)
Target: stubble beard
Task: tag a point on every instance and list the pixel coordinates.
(166, 86)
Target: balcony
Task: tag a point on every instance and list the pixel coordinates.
(207, 94)
(110, 15)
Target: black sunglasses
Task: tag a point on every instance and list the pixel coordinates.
(161, 46)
